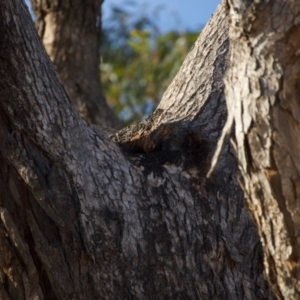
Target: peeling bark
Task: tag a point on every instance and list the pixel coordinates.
(84, 216)
(70, 33)
(262, 91)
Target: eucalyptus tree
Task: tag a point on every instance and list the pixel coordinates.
(84, 215)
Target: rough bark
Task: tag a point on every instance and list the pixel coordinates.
(262, 91)
(86, 217)
(70, 33)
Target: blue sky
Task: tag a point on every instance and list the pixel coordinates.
(174, 14)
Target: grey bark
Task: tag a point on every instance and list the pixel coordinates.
(262, 91)
(85, 216)
(70, 31)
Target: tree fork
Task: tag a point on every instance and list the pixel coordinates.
(84, 217)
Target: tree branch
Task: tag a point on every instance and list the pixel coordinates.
(262, 94)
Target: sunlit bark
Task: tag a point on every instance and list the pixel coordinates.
(263, 98)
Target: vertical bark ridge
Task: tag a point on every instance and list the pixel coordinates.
(262, 94)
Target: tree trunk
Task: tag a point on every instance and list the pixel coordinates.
(70, 33)
(263, 98)
(84, 216)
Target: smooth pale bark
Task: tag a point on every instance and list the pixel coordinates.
(86, 217)
(70, 31)
(262, 91)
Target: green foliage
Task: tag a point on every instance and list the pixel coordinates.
(138, 62)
